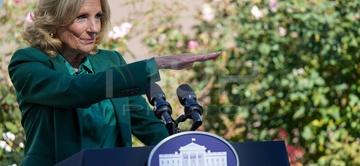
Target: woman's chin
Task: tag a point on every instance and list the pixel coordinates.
(87, 49)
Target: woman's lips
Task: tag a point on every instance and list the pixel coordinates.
(89, 40)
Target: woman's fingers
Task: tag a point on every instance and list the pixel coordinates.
(209, 56)
(199, 57)
(181, 61)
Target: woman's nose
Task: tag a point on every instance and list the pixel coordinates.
(94, 25)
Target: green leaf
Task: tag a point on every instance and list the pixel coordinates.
(307, 133)
(294, 96)
(305, 17)
(323, 100)
(336, 135)
(11, 126)
(275, 47)
(334, 111)
(264, 49)
(299, 113)
(341, 87)
(353, 100)
(354, 43)
(284, 82)
(345, 39)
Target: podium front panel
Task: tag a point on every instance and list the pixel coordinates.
(269, 153)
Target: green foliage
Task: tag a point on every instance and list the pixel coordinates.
(12, 136)
(292, 74)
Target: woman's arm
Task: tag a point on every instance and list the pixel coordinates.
(37, 82)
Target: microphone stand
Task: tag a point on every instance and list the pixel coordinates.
(183, 118)
(172, 127)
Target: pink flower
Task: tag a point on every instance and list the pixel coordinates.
(282, 31)
(298, 152)
(115, 33)
(256, 12)
(294, 154)
(179, 43)
(17, 0)
(29, 17)
(283, 134)
(273, 3)
(208, 17)
(193, 44)
(119, 32)
(125, 27)
(294, 34)
(208, 13)
(290, 148)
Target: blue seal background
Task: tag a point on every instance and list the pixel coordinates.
(211, 143)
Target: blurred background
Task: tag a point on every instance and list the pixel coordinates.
(289, 70)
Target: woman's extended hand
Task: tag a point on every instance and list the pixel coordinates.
(181, 61)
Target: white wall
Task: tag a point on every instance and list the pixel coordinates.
(119, 12)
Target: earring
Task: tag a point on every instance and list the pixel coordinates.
(51, 35)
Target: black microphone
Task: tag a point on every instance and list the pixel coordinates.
(162, 109)
(192, 109)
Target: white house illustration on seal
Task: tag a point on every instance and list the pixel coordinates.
(193, 154)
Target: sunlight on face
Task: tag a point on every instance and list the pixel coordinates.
(79, 36)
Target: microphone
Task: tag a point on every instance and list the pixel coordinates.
(162, 108)
(192, 109)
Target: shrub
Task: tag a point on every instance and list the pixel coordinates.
(289, 70)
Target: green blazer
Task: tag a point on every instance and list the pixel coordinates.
(48, 97)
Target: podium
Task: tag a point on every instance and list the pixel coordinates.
(269, 153)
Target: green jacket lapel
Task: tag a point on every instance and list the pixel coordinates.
(120, 104)
(60, 66)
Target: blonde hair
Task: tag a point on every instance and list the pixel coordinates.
(49, 15)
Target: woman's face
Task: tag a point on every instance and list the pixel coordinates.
(79, 36)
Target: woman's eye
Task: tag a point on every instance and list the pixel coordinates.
(98, 16)
(81, 17)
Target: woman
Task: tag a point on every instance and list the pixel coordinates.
(73, 96)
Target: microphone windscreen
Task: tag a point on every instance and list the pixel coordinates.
(153, 89)
(183, 90)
